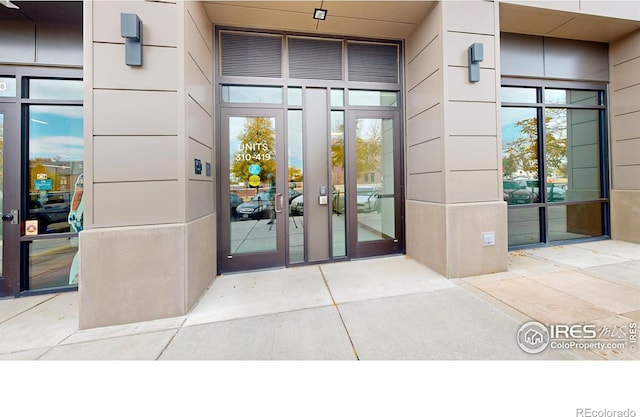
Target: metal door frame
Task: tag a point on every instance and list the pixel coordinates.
(381, 247)
(260, 260)
(10, 280)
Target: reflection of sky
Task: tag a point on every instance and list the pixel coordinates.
(510, 116)
(236, 130)
(295, 138)
(56, 132)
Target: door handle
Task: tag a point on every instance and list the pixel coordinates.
(279, 202)
(13, 217)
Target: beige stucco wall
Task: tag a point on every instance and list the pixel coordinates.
(453, 165)
(148, 214)
(624, 61)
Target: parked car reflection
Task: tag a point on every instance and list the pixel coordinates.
(514, 193)
(259, 207)
(51, 209)
(234, 202)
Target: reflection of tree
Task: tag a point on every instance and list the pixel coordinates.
(522, 153)
(257, 146)
(295, 174)
(368, 150)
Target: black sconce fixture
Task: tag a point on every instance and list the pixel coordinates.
(131, 31)
(476, 55)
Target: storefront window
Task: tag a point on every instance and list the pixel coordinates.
(54, 182)
(551, 159)
(56, 159)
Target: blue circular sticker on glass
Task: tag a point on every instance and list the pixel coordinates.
(254, 169)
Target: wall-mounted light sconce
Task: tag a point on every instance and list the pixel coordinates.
(320, 14)
(131, 31)
(476, 56)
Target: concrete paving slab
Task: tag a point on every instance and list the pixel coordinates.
(518, 316)
(44, 325)
(543, 303)
(11, 307)
(601, 293)
(23, 355)
(498, 276)
(258, 293)
(381, 277)
(613, 247)
(521, 264)
(615, 329)
(626, 273)
(575, 256)
(124, 330)
(444, 324)
(634, 315)
(314, 334)
(146, 346)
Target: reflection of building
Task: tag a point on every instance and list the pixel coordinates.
(144, 127)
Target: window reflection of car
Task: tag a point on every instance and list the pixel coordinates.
(293, 194)
(259, 207)
(555, 193)
(234, 202)
(51, 210)
(514, 193)
(296, 207)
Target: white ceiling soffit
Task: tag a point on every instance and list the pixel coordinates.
(376, 19)
(562, 24)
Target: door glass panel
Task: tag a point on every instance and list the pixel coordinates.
(53, 263)
(582, 97)
(524, 226)
(373, 98)
(339, 197)
(244, 94)
(296, 188)
(7, 87)
(375, 180)
(520, 156)
(572, 158)
(56, 89)
(56, 160)
(252, 184)
(575, 221)
(294, 96)
(337, 97)
(1, 184)
(518, 95)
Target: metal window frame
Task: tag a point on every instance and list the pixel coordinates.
(603, 150)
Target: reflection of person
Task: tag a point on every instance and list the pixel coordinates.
(75, 218)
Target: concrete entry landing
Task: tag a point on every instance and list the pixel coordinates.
(384, 308)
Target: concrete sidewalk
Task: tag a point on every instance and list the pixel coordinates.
(385, 308)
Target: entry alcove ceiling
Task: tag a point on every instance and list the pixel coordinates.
(379, 19)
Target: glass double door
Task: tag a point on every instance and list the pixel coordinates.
(308, 186)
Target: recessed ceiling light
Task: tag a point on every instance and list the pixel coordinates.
(320, 14)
